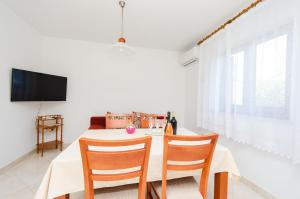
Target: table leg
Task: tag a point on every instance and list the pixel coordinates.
(67, 196)
(221, 185)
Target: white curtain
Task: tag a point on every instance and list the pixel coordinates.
(249, 79)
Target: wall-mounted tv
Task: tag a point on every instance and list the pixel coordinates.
(33, 86)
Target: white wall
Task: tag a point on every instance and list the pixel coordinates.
(99, 81)
(276, 175)
(20, 46)
(191, 93)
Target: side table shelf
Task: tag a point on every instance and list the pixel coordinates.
(49, 124)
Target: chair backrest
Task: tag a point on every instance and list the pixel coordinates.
(195, 152)
(118, 121)
(136, 159)
(145, 119)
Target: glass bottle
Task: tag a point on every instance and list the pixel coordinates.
(174, 123)
(169, 128)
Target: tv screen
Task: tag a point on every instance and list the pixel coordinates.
(33, 86)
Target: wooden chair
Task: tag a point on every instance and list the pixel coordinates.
(197, 156)
(118, 121)
(115, 160)
(145, 119)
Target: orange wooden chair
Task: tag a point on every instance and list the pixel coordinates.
(118, 121)
(115, 160)
(145, 119)
(194, 157)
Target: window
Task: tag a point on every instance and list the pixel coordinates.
(271, 67)
(260, 77)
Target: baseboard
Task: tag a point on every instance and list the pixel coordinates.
(256, 188)
(23, 157)
(17, 161)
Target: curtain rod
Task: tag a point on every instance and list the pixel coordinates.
(254, 4)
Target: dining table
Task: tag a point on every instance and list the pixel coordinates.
(65, 173)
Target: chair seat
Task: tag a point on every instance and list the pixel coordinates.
(180, 188)
(120, 192)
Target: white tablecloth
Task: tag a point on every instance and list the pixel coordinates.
(65, 174)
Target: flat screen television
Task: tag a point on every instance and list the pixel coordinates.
(33, 86)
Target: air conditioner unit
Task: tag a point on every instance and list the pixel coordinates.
(189, 57)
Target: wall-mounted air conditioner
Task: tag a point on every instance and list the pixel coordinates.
(189, 57)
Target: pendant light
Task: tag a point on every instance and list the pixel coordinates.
(121, 46)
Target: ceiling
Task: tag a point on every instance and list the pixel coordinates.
(161, 24)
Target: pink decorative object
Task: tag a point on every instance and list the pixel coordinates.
(130, 129)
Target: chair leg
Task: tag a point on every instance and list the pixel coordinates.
(153, 191)
(89, 191)
(149, 195)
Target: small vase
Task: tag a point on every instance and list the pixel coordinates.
(130, 129)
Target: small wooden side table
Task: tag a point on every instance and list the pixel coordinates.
(49, 123)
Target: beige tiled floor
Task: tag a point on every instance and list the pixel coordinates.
(22, 180)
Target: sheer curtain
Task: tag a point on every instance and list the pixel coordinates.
(249, 79)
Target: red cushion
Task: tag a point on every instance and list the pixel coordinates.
(97, 122)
